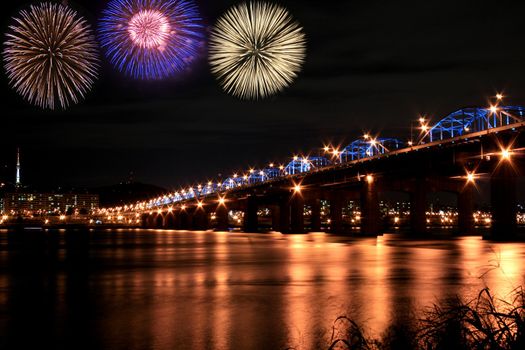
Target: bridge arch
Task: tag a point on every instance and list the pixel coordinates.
(369, 147)
(473, 119)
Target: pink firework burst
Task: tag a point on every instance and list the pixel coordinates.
(149, 29)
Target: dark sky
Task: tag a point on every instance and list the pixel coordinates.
(369, 66)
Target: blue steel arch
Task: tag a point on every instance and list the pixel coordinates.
(303, 164)
(364, 148)
(473, 119)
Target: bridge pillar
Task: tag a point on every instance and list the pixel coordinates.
(466, 209)
(284, 214)
(276, 217)
(200, 219)
(186, 220)
(251, 221)
(418, 207)
(503, 202)
(315, 219)
(336, 213)
(370, 214)
(221, 215)
(297, 213)
(144, 220)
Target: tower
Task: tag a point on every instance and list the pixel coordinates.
(18, 183)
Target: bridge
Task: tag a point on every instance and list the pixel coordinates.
(448, 156)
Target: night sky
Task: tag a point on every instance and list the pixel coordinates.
(370, 66)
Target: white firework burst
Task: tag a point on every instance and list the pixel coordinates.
(256, 50)
(50, 55)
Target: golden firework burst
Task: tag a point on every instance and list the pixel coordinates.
(51, 55)
(256, 50)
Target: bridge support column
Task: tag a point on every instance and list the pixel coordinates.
(250, 215)
(370, 214)
(503, 202)
(221, 215)
(144, 220)
(284, 214)
(466, 209)
(418, 208)
(186, 220)
(200, 219)
(297, 213)
(315, 219)
(276, 217)
(336, 214)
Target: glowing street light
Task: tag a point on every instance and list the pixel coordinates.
(369, 179)
(297, 188)
(471, 177)
(499, 96)
(505, 154)
(493, 109)
(326, 149)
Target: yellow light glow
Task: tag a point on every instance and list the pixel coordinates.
(297, 188)
(505, 154)
(471, 177)
(326, 148)
(222, 200)
(493, 109)
(199, 204)
(499, 96)
(369, 179)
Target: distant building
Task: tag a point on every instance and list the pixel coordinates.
(48, 203)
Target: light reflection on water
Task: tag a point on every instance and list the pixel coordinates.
(217, 290)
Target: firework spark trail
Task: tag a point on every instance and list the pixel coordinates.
(256, 50)
(50, 55)
(151, 39)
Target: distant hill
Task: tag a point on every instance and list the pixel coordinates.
(126, 193)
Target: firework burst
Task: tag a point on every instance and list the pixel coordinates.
(256, 50)
(50, 55)
(150, 39)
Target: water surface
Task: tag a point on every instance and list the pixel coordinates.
(147, 289)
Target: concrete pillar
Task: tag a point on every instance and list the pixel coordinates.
(250, 215)
(144, 220)
(221, 215)
(418, 208)
(186, 220)
(336, 214)
(297, 213)
(315, 219)
(503, 202)
(200, 219)
(284, 214)
(276, 217)
(370, 214)
(177, 222)
(466, 209)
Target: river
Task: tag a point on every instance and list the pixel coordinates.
(148, 289)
